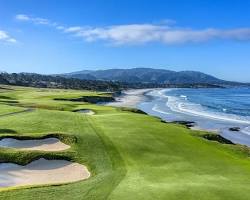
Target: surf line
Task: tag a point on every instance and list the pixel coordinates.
(178, 107)
(156, 109)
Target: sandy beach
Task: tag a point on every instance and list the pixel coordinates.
(129, 98)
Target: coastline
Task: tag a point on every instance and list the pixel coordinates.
(130, 98)
(135, 98)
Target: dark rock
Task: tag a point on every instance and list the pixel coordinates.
(234, 129)
(188, 124)
(218, 138)
(134, 110)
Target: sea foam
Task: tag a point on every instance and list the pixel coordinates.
(177, 104)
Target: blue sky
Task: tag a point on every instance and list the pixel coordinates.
(57, 36)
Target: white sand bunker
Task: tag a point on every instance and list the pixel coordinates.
(86, 111)
(48, 144)
(41, 172)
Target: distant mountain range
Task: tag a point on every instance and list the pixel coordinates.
(147, 75)
(118, 79)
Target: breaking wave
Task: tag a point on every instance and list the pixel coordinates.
(181, 104)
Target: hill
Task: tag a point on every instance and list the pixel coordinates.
(46, 81)
(83, 82)
(147, 75)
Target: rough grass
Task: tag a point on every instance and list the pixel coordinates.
(130, 155)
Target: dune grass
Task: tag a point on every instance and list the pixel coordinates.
(130, 155)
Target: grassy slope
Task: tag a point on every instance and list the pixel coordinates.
(131, 156)
(6, 109)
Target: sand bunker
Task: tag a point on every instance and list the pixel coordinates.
(86, 111)
(41, 172)
(48, 144)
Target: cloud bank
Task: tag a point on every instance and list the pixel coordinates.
(5, 37)
(145, 33)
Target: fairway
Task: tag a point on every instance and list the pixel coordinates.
(130, 155)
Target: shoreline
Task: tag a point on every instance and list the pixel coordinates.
(132, 98)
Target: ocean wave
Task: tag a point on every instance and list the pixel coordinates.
(161, 93)
(177, 104)
(246, 130)
(183, 96)
(156, 109)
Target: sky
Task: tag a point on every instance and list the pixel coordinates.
(58, 36)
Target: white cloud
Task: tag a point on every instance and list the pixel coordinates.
(73, 29)
(5, 37)
(22, 17)
(35, 20)
(144, 33)
(60, 27)
(164, 32)
(121, 34)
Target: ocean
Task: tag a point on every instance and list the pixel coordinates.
(212, 109)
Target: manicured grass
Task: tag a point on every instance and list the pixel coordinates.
(130, 155)
(6, 109)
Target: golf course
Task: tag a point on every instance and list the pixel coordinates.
(121, 153)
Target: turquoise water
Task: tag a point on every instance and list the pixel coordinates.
(210, 109)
